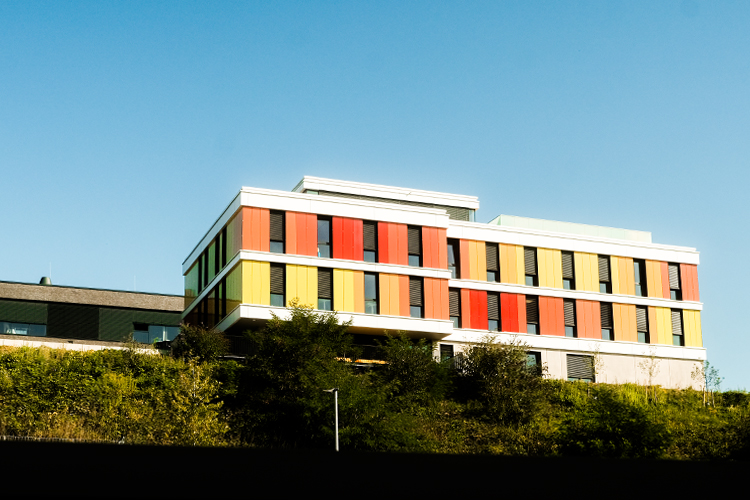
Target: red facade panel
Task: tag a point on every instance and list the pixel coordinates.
(392, 243)
(513, 312)
(434, 248)
(256, 229)
(465, 308)
(436, 298)
(301, 233)
(478, 309)
(551, 316)
(689, 276)
(347, 238)
(588, 319)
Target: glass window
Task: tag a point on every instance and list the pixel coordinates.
(324, 304)
(29, 329)
(570, 331)
(607, 334)
(414, 260)
(416, 311)
(491, 276)
(369, 256)
(277, 246)
(678, 340)
(639, 271)
(493, 325)
(532, 328)
(324, 238)
(446, 351)
(277, 299)
(453, 258)
(371, 293)
(568, 284)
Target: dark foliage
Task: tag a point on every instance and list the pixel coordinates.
(196, 342)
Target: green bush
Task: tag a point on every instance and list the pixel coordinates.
(196, 342)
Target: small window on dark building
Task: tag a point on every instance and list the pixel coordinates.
(639, 271)
(678, 338)
(674, 282)
(371, 293)
(446, 352)
(493, 262)
(641, 320)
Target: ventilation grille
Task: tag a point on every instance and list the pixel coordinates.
(674, 277)
(415, 292)
(414, 246)
(567, 265)
(492, 257)
(277, 279)
(368, 232)
(277, 226)
(493, 306)
(529, 259)
(532, 309)
(454, 302)
(325, 283)
(569, 308)
(580, 367)
(604, 268)
(641, 319)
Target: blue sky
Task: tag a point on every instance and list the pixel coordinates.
(126, 127)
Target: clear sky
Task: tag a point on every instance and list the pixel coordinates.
(126, 127)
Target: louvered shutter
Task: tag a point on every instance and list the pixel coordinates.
(458, 213)
(454, 302)
(414, 236)
(325, 283)
(567, 265)
(532, 310)
(415, 292)
(493, 306)
(580, 367)
(569, 309)
(277, 279)
(606, 315)
(492, 259)
(674, 277)
(640, 319)
(368, 232)
(676, 322)
(529, 258)
(277, 226)
(604, 268)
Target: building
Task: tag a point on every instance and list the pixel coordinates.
(401, 259)
(84, 318)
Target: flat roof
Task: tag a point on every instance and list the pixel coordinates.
(572, 228)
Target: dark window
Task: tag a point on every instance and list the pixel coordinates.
(324, 237)
(371, 293)
(277, 285)
(493, 262)
(569, 310)
(204, 259)
(415, 297)
(580, 368)
(493, 312)
(370, 241)
(277, 231)
(223, 247)
(605, 284)
(569, 281)
(446, 352)
(674, 282)
(677, 335)
(608, 332)
(325, 289)
(454, 260)
(641, 320)
(415, 245)
(534, 361)
(639, 270)
(532, 314)
(217, 255)
(529, 261)
(454, 303)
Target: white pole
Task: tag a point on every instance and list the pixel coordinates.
(336, 404)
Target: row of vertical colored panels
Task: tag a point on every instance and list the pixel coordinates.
(586, 267)
(348, 289)
(474, 311)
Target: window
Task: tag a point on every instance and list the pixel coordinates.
(277, 285)
(325, 289)
(677, 335)
(674, 282)
(493, 312)
(608, 332)
(8, 328)
(639, 270)
(493, 262)
(370, 241)
(324, 237)
(454, 303)
(454, 259)
(371, 293)
(148, 334)
(580, 368)
(415, 297)
(605, 284)
(569, 282)
(277, 231)
(569, 311)
(446, 352)
(532, 314)
(415, 246)
(534, 361)
(641, 320)
(529, 261)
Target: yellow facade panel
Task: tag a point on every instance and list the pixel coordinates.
(692, 324)
(338, 290)
(623, 281)
(653, 278)
(586, 271)
(511, 264)
(302, 284)
(550, 267)
(256, 282)
(626, 328)
(359, 291)
(660, 325)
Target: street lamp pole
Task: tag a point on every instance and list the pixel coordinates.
(335, 392)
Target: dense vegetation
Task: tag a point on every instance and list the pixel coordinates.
(489, 402)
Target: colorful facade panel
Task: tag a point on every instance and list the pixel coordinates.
(691, 323)
(551, 316)
(301, 234)
(588, 319)
(689, 278)
(436, 299)
(394, 295)
(660, 325)
(347, 238)
(255, 230)
(623, 275)
(586, 268)
(513, 312)
(393, 244)
(434, 248)
(549, 262)
(302, 285)
(348, 291)
(256, 282)
(473, 260)
(474, 309)
(512, 265)
(626, 328)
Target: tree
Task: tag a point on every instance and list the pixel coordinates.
(650, 368)
(200, 343)
(497, 377)
(708, 377)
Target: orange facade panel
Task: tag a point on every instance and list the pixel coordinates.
(588, 319)
(626, 328)
(513, 312)
(436, 298)
(301, 233)
(665, 280)
(394, 295)
(346, 238)
(655, 279)
(393, 243)
(551, 316)
(434, 248)
(689, 278)
(255, 229)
